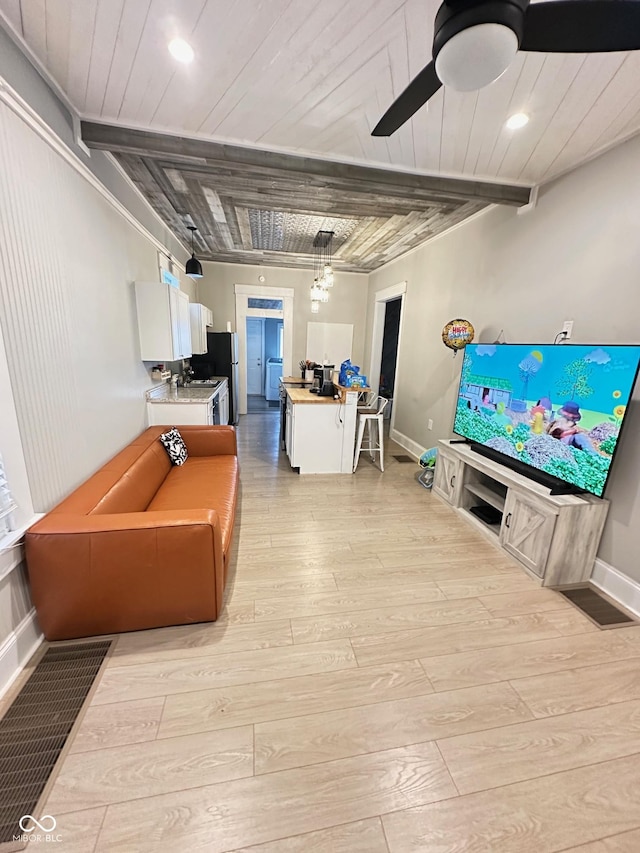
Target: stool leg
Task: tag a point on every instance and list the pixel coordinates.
(381, 441)
(370, 436)
(356, 457)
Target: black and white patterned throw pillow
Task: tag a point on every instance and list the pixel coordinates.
(175, 446)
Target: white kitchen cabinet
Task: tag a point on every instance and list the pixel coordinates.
(164, 323)
(320, 433)
(223, 405)
(201, 318)
(179, 414)
(192, 405)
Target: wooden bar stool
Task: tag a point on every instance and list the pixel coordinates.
(367, 417)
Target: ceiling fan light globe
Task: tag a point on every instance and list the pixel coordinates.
(476, 56)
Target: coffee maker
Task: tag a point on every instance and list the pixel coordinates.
(323, 380)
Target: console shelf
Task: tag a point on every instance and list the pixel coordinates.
(494, 499)
(555, 537)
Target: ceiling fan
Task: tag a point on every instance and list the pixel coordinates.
(476, 40)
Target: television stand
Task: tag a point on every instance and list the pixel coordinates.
(555, 484)
(554, 536)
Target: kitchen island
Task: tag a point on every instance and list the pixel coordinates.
(320, 431)
(189, 404)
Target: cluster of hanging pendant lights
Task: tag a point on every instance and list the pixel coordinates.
(322, 269)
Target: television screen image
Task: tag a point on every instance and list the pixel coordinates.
(558, 409)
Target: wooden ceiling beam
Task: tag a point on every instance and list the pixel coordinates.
(215, 155)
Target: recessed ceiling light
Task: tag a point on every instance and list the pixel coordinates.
(180, 50)
(515, 122)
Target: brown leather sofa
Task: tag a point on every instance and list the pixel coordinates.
(142, 543)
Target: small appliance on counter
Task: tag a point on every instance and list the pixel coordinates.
(323, 380)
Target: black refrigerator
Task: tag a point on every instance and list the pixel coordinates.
(221, 359)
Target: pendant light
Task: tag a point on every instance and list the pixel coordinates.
(193, 268)
(323, 270)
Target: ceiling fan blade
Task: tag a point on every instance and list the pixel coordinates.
(414, 96)
(582, 26)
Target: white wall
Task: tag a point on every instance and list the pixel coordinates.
(71, 380)
(347, 302)
(576, 256)
(68, 260)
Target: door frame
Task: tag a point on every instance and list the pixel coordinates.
(377, 337)
(242, 293)
(263, 372)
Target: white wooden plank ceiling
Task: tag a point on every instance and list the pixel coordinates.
(314, 78)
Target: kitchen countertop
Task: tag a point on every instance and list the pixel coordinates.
(188, 394)
(303, 395)
(295, 380)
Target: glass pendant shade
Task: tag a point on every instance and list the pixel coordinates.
(315, 307)
(324, 295)
(327, 275)
(316, 292)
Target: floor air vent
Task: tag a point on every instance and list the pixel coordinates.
(36, 725)
(403, 458)
(597, 608)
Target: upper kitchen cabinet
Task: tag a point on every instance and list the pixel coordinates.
(164, 322)
(201, 317)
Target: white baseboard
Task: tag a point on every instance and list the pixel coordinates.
(16, 650)
(619, 587)
(412, 447)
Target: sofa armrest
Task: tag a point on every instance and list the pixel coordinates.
(149, 568)
(210, 440)
(60, 524)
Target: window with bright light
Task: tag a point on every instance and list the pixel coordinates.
(268, 304)
(7, 503)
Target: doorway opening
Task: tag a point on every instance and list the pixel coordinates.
(390, 337)
(265, 342)
(386, 343)
(263, 303)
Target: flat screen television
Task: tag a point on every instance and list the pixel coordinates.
(552, 412)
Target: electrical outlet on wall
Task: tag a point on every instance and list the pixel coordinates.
(567, 328)
(430, 423)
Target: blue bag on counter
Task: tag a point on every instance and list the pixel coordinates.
(346, 370)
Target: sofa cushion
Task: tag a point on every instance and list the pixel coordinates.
(203, 482)
(136, 486)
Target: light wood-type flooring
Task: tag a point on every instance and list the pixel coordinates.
(383, 680)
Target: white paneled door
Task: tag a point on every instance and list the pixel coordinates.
(255, 355)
